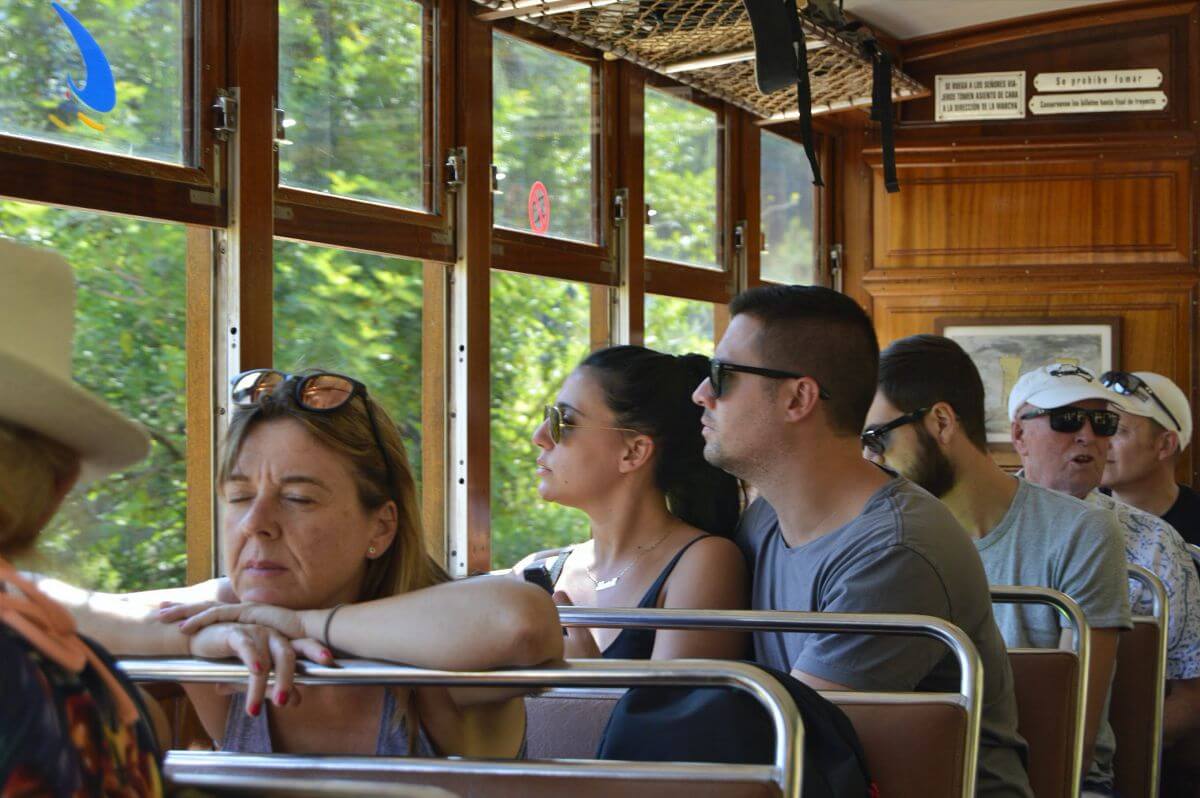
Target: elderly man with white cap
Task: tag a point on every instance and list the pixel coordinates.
(1156, 426)
(1063, 424)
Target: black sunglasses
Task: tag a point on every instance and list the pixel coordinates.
(1128, 384)
(717, 369)
(316, 392)
(1071, 419)
(874, 439)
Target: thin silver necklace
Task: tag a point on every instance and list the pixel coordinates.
(605, 584)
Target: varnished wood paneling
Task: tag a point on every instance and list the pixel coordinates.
(199, 337)
(1035, 213)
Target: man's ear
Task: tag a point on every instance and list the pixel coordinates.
(1167, 445)
(803, 396)
(1018, 437)
(636, 454)
(941, 422)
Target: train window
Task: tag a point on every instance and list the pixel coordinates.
(125, 532)
(681, 180)
(105, 76)
(787, 212)
(679, 326)
(542, 125)
(540, 330)
(351, 85)
(357, 314)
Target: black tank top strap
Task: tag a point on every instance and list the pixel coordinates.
(556, 567)
(639, 643)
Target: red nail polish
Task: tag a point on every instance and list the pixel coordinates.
(255, 709)
(257, 667)
(326, 653)
(281, 698)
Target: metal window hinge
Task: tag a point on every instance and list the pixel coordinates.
(836, 275)
(282, 123)
(455, 169)
(619, 202)
(225, 116)
(739, 236)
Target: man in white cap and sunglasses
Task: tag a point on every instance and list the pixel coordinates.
(1156, 426)
(1063, 423)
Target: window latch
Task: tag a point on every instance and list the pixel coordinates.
(454, 169)
(225, 114)
(282, 123)
(739, 236)
(619, 206)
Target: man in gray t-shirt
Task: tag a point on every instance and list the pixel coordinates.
(793, 377)
(927, 421)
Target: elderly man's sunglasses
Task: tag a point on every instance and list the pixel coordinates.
(316, 392)
(555, 425)
(718, 369)
(874, 439)
(1128, 384)
(1071, 419)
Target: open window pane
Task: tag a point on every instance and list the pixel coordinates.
(351, 83)
(358, 315)
(681, 180)
(679, 326)
(542, 140)
(124, 532)
(539, 334)
(787, 212)
(106, 76)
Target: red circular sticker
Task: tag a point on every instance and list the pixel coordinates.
(539, 208)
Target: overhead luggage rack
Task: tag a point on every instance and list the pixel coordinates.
(709, 45)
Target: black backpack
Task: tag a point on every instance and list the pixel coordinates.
(726, 724)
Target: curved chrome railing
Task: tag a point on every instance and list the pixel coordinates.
(970, 667)
(786, 771)
(1073, 614)
(1160, 613)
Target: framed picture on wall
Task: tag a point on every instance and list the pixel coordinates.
(1004, 349)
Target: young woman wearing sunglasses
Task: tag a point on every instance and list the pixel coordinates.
(622, 443)
(324, 553)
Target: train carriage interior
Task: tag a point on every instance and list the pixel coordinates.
(412, 342)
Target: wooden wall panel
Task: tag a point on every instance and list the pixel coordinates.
(1030, 213)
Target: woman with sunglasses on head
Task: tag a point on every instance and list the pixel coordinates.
(324, 552)
(622, 443)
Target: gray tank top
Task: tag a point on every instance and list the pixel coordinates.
(248, 735)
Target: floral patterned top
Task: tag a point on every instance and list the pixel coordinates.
(60, 732)
(1155, 545)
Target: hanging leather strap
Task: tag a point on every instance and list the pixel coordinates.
(804, 92)
(881, 112)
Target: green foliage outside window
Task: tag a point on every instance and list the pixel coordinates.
(787, 212)
(679, 326)
(124, 532)
(143, 41)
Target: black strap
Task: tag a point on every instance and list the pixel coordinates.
(881, 112)
(556, 567)
(804, 94)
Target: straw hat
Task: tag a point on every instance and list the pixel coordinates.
(37, 322)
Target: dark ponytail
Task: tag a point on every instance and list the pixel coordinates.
(652, 392)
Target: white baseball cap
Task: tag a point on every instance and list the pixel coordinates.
(1058, 385)
(1174, 403)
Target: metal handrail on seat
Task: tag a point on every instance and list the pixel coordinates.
(1070, 610)
(786, 771)
(1160, 615)
(970, 667)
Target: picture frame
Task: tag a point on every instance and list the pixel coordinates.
(1004, 348)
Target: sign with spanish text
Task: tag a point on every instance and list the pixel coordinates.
(1101, 102)
(983, 95)
(1099, 80)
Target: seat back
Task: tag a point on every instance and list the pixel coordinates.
(567, 724)
(1051, 690)
(1194, 550)
(1137, 695)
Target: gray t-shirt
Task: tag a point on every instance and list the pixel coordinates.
(904, 553)
(1050, 539)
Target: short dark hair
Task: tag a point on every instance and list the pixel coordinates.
(922, 370)
(823, 334)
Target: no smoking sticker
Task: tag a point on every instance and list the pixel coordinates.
(539, 208)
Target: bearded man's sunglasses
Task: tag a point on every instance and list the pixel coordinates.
(718, 369)
(1071, 419)
(1128, 384)
(874, 439)
(315, 391)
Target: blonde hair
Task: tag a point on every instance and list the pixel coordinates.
(406, 565)
(32, 467)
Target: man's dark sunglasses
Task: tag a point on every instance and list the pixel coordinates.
(874, 439)
(716, 376)
(315, 391)
(1128, 384)
(1071, 419)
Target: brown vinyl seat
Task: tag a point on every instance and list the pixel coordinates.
(1046, 683)
(1137, 696)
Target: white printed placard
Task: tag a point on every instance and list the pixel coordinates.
(1098, 80)
(982, 95)
(1101, 102)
